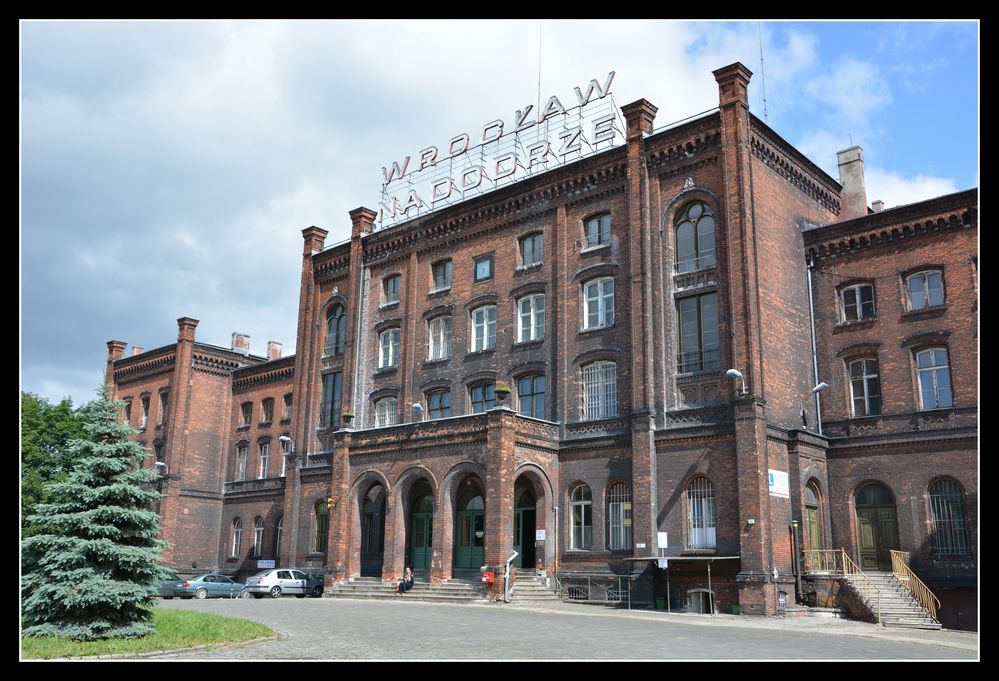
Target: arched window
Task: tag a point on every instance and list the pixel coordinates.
(858, 302)
(532, 249)
(439, 338)
(695, 237)
(388, 353)
(950, 530)
(619, 517)
(933, 368)
(278, 531)
(322, 513)
(482, 397)
(439, 404)
(483, 328)
(865, 387)
(386, 412)
(237, 536)
(598, 301)
(531, 318)
(599, 391)
(336, 330)
(700, 514)
(924, 289)
(258, 537)
(813, 525)
(242, 455)
(598, 230)
(582, 518)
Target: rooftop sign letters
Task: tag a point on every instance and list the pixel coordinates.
(501, 152)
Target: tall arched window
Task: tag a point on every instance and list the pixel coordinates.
(695, 237)
(336, 330)
(582, 518)
(700, 514)
(258, 537)
(950, 530)
(813, 526)
(237, 536)
(933, 369)
(322, 513)
(619, 517)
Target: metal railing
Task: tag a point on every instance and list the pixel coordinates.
(823, 561)
(698, 360)
(862, 584)
(921, 592)
(594, 589)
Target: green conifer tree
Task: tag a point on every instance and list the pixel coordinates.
(90, 571)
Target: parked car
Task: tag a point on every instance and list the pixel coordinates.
(166, 587)
(212, 585)
(281, 581)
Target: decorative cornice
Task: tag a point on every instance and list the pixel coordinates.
(153, 365)
(779, 160)
(260, 376)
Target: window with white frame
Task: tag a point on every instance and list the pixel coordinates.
(532, 249)
(950, 528)
(582, 518)
(390, 289)
(700, 514)
(439, 342)
(484, 328)
(865, 387)
(483, 397)
(933, 369)
(265, 460)
(439, 404)
(925, 289)
(336, 330)
(237, 537)
(164, 407)
(599, 391)
(531, 318)
(695, 238)
(388, 355)
(619, 517)
(441, 272)
(258, 537)
(858, 302)
(285, 450)
(386, 412)
(242, 454)
(598, 230)
(267, 407)
(598, 297)
(531, 396)
(698, 330)
(278, 531)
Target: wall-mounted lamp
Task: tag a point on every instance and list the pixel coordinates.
(818, 405)
(161, 468)
(732, 373)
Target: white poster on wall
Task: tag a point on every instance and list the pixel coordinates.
(779, 485)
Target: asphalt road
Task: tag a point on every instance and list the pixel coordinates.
(343, 629)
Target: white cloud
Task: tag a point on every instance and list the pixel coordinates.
(854, 89)
(897, 190)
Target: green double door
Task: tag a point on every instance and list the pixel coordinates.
(877, 530)
(524, 516)
(421, 533)
(470, 534)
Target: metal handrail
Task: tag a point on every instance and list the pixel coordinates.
(852, 569)
(900, 568)
(818, 560)
(618, 591)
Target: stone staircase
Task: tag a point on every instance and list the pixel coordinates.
(460, 589)
(898, 607)
(529, 588)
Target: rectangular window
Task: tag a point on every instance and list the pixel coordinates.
(145, 413)
(439, 344)
(699, 339)
(442, 275)
(247, 411)
(285, 450)
(386, 412)
(241, 463)
(599, 391)
(532, 249)
(531, 396)
(389, 355)
(531, 320)
(158, 449)
(866, 387)
(925, 289)
(598, 230)
(265, 460)
(483, 397)
(267, 407)
(619, 517)
(599, 301)
(390, 289)
(287, 408)
(858, 302)
(439, 404)
(128, 411)
(164, 406)
(934, 379)
(332, 389)
(484, 268)
(484, 328)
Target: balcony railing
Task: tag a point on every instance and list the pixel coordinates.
(699, 360)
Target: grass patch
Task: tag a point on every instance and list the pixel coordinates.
(174, 629)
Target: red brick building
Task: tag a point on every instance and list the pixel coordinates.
(545, 369)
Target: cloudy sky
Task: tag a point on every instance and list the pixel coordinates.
(167, 168)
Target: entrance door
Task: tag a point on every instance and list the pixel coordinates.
(877, 527)
(421, 532)
(524, 517)
(470, 525)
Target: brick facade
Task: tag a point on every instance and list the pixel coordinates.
(639, 403)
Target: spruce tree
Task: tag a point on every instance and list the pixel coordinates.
(91, 570)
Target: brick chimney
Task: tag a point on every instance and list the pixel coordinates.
(853, 200)
(137, 350)
(240, 343)
(273, 350)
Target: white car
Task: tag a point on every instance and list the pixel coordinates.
(284, 581)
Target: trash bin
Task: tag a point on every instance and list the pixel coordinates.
(735, 608)
(660, 603)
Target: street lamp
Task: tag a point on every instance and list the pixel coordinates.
(732, 373)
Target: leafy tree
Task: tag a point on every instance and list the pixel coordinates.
(46, 430)
(91, 570)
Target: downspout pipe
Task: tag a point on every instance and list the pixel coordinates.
(506, 577)
(810, 260)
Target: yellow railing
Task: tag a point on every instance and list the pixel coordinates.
(862, 584)
(823, 561)
(919, 591)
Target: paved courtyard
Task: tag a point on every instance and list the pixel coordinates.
(342, 629)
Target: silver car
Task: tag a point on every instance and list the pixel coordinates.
(280, 581)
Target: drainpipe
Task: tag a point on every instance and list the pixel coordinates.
(506, 577)
(815, 358)
(555, 552)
